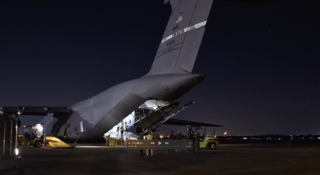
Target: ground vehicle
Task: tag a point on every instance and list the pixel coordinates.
(209, 142)
(27, 140)
(30, 137)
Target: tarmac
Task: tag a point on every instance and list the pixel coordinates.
(237, 159)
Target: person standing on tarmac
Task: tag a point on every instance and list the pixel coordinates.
(171, 137)
(121, 128)
(129, 126)
(107, 139)
(140, 137)
(197, 143)
(179, 136)
(191, 137)
(157, 137)
(149, 137)
(124, 139)
(118, 127)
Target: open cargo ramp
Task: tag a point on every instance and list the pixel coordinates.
(165, 116)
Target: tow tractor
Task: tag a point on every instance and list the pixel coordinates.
(32, 135)
(211, 142)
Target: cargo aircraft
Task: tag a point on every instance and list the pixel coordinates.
(169, 78)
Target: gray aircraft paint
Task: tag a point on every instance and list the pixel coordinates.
(168, 79)
(177, 55)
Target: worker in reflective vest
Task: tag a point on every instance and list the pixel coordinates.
(150, 137)
(121, 128)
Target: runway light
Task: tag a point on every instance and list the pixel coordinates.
(17, 151)
(318, 138)
(245, 138)
(1, 112)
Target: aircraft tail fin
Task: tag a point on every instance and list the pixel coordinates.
(182, 38)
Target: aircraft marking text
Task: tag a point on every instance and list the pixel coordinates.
(187, 29)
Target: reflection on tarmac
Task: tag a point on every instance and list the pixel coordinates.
(228, 159)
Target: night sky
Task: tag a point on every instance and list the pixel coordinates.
(262, 62)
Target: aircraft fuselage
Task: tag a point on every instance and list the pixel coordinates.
(103, 111)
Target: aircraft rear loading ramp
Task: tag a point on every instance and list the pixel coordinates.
(160, 116)
(54, 142)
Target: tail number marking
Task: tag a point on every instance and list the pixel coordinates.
(187, 29)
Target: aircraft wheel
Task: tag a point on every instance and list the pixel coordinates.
(38, 144)
(212, 146)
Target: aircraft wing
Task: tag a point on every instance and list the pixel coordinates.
(185, 123)
(35, 110)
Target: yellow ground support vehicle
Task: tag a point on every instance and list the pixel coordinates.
(26, 140)
(209, 142)
(29, 138)
(33, 136)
